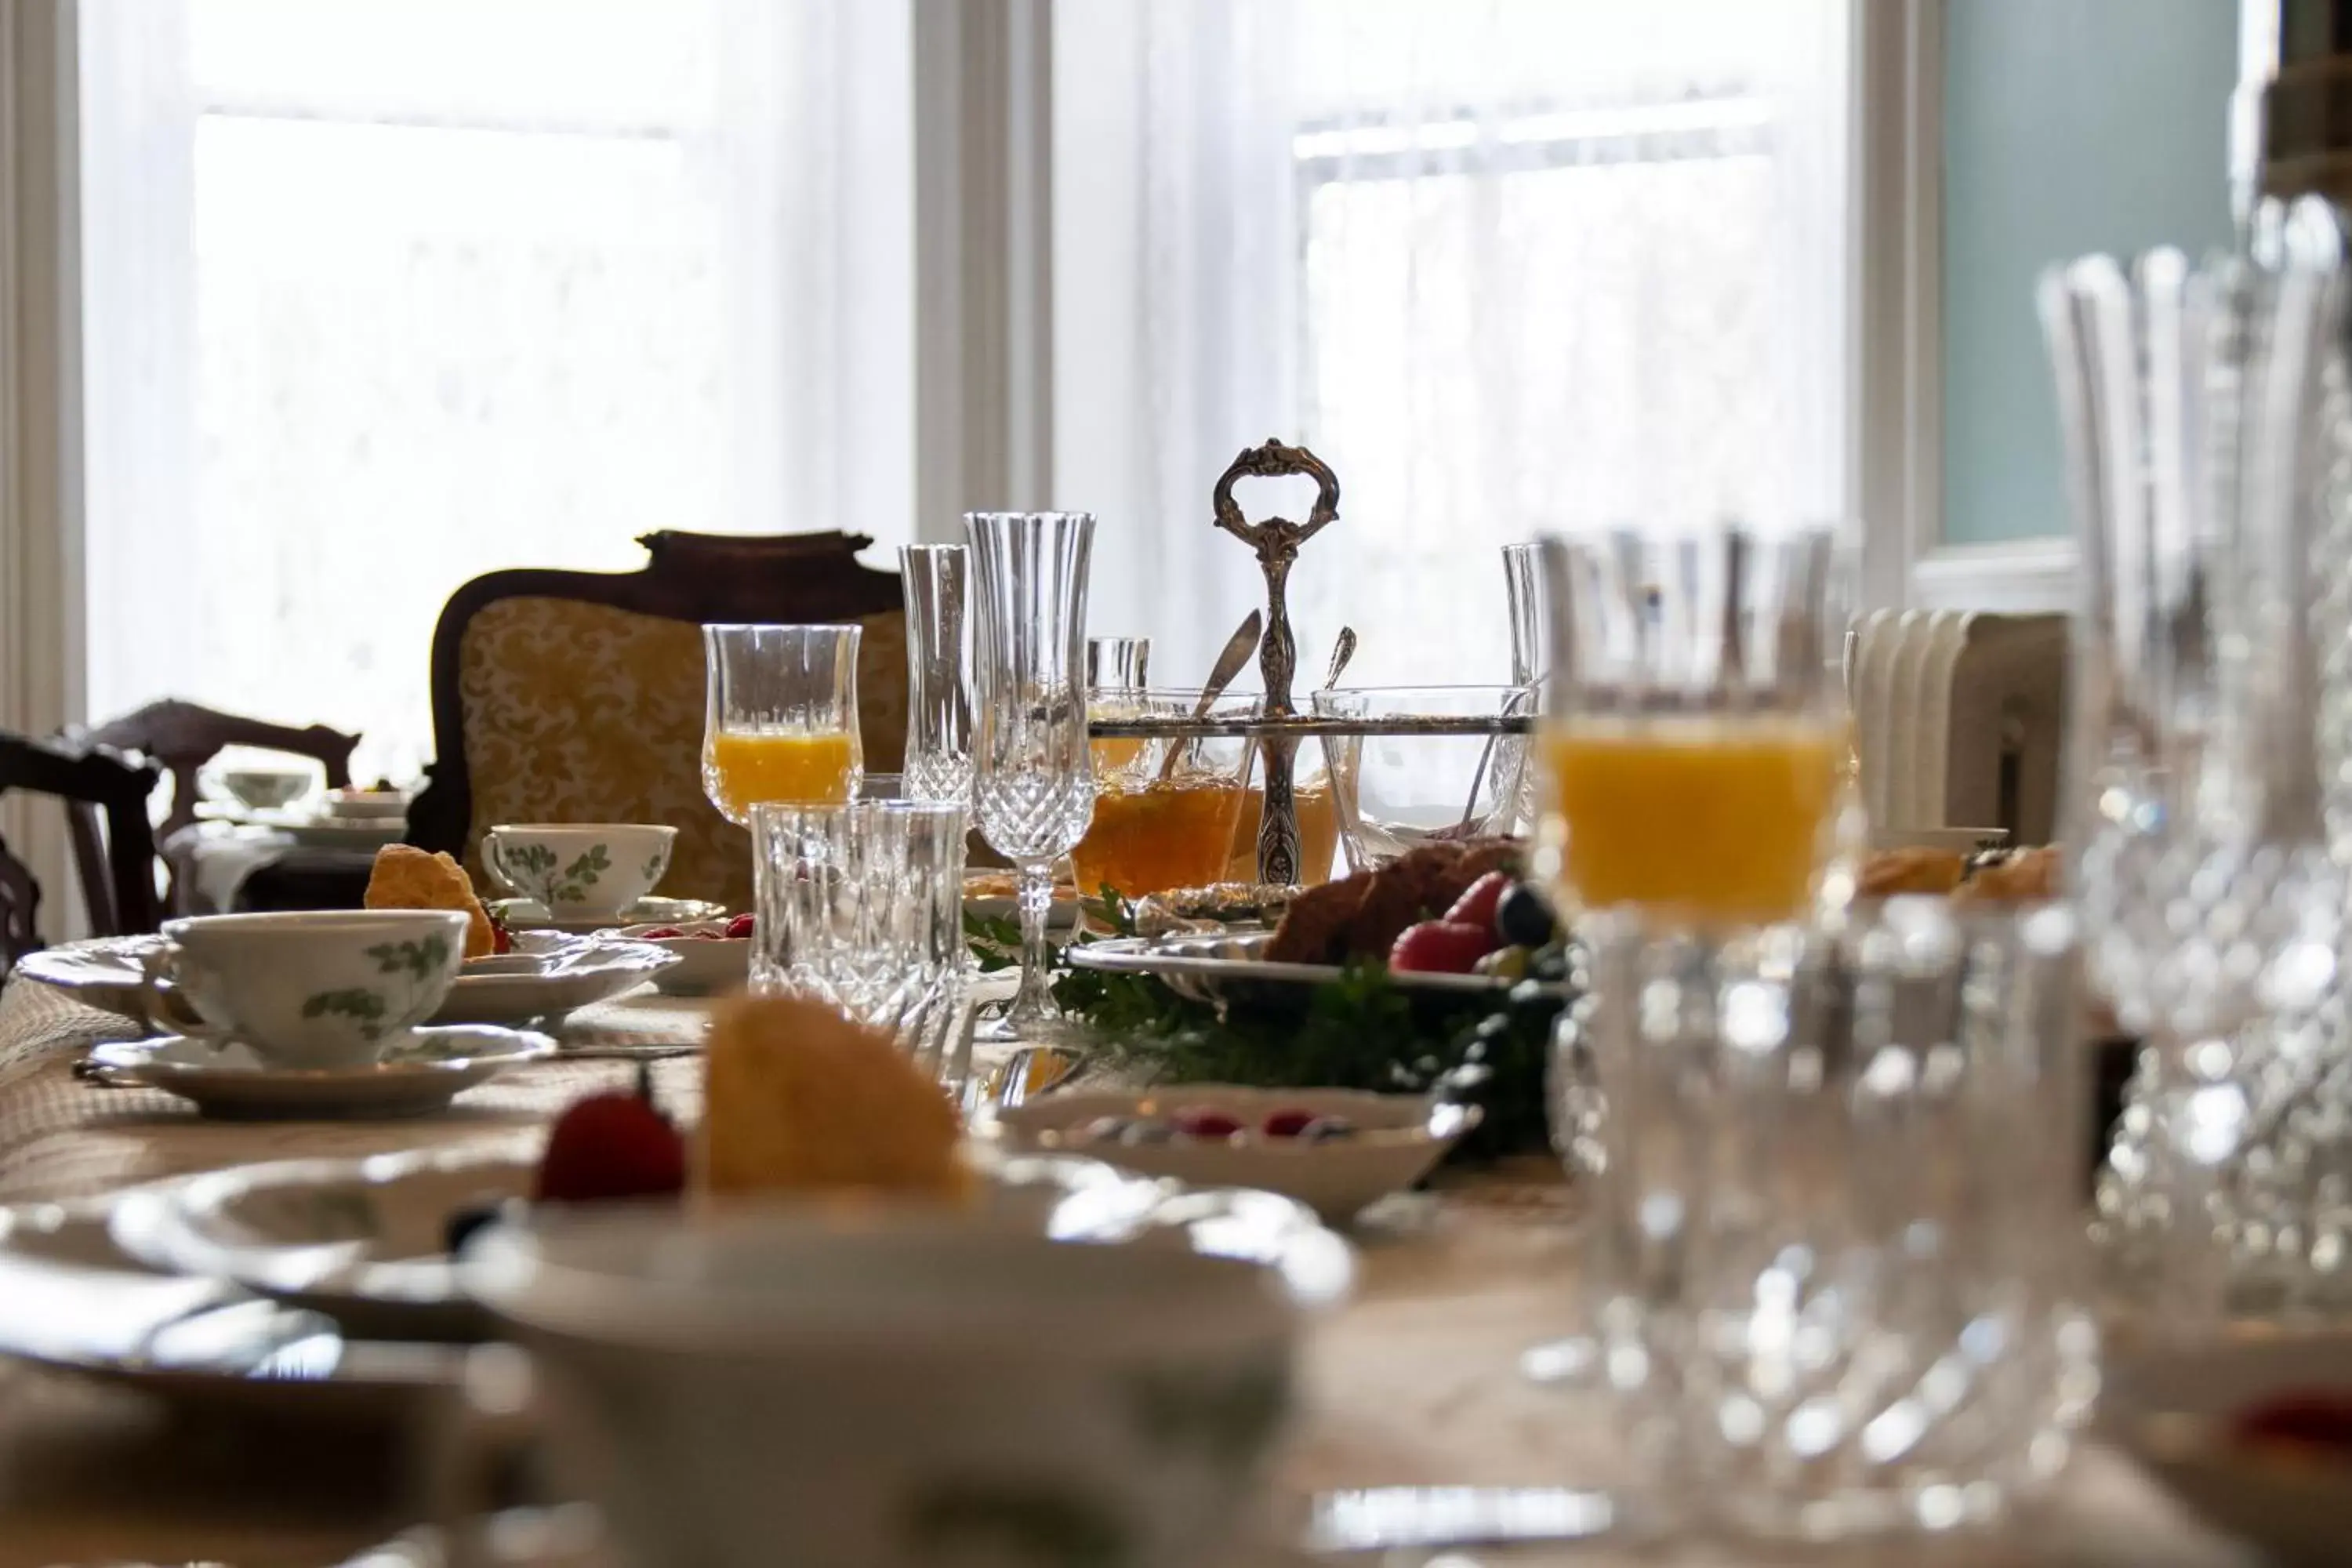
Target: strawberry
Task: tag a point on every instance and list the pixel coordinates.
(1288, 1124)
(660, 933)
(611, 1146)
(1440, 947)
(1475, 907)
(740, 927)
(501, 939)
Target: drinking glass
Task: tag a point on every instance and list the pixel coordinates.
(1165, 808)
(781, 720)
(939, 703)
(860, 905)
(1530, 647)
(1118, 664)
(1835, 1261)
(1033, 785)
(2206, 449)
(1695, 732)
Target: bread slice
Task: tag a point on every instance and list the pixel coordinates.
(798, 1099)
(406, 878)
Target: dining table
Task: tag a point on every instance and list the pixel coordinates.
(1414, 1382)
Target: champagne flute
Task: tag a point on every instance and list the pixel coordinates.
(781, 726)
(1034, 782)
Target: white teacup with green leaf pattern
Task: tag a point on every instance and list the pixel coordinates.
(579, 870)
(327, 989)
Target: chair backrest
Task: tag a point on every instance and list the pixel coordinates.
(1957, 716)
(577, 695)
(118, 876)
(184, 736)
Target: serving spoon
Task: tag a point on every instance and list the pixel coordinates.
(1230, 661)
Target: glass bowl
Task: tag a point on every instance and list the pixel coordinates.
(1161, 824)
(1394, 792)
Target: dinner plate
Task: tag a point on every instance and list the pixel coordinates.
(548, 975)
(106, 973)
(529, 914)
(72, 1301)
(419, 1073)
(363, 1239)
(1215, 968)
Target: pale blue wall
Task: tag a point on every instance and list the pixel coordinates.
(2070, 126)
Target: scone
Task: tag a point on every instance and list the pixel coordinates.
(2026, 877)
(406, 878)
(1890, 872)
(797, 1099)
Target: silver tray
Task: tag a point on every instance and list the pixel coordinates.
(1218, 968)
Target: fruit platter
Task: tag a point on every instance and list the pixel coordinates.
(1440, 975)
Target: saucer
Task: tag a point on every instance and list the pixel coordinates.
(547, 975)
(420, 1072)
(529, 914)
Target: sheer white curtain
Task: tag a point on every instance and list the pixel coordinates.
(1509, 265)
(382, 294)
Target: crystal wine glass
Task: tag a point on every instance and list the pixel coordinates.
(939, 703)
(2202, 431)
(1033, 784)
(782, 721)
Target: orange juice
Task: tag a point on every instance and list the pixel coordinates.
(1170, 833)
(1318, 833)
(1718, 820)
(741, 769)
(1113, 757)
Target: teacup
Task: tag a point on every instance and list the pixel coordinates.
(579, 870)
(326, 989)
(891, 1389)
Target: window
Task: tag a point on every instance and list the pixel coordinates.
(1508, 265)
(383, 294)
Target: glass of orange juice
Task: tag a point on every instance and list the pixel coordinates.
(781, 726)
(1695, 743)
(1165, 808)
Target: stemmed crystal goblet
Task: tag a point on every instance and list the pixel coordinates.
(1034, 782)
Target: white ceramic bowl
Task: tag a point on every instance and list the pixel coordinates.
(367, 805)
(706, 964)
(266, 789)
(765, 1385)
(1398, 1138)
(579, 869)
(2172, 1407)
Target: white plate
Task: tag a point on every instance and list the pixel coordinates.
(104, 973)
(70, 1300)
(1398, 1137)
(363, 1238)
(364, 805)
(1207, 968)
(419, 1073)
(529, 914)
(548, 975)
(704, 964)
(2170, 1407)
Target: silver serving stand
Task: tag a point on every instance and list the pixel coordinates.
(1278, 726)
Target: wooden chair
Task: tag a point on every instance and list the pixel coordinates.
(577, 695)
(118, 876)
(184, 736)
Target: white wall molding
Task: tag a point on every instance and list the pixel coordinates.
(983, 258)
(1896, 381)
(40, 415)
(2023, 576)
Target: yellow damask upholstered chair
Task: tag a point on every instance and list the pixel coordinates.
(577, 695)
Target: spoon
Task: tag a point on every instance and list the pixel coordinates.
(1236, 654)
(1342, 651)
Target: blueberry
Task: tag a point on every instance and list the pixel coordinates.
(1522, 919)
(463, 1223)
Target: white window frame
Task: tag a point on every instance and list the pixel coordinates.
(983, 342)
